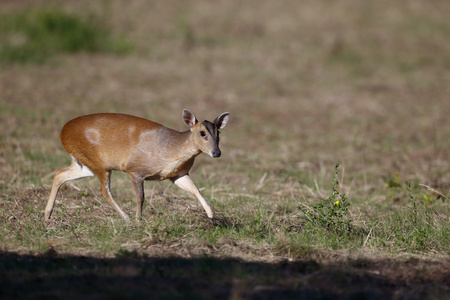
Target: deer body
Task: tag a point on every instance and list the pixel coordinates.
(146, 150)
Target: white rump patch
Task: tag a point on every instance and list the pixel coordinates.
(92, 135)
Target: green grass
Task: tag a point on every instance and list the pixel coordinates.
(37, 35)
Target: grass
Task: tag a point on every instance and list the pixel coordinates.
(283, 228)
(36, 35)
(308, 86)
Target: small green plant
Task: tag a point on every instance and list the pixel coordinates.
(36, 35)
(427, 198)
(416, 229)
(394, 188)
(330, 214)
(393, 183)
(258, 226)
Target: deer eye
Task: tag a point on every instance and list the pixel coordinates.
(203, 134)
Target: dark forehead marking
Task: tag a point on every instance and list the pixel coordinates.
(211, 127)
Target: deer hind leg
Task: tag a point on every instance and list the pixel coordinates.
(105, 183)
(138, 185)
(74, 171)
(185, 182)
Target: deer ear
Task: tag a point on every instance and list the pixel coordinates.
(189, 118)
(222, 120)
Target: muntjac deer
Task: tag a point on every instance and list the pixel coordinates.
(146, 150)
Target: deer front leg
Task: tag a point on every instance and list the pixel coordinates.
(185, 182)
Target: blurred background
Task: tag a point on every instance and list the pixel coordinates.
(307, 83)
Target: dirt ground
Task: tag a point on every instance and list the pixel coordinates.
(54, 276)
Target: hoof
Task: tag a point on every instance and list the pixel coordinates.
(213, 221)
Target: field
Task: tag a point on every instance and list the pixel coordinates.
(334, 180)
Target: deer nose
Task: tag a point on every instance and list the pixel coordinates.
(216, 153)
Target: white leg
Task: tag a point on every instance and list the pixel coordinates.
(185, 182)
(74, 171)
